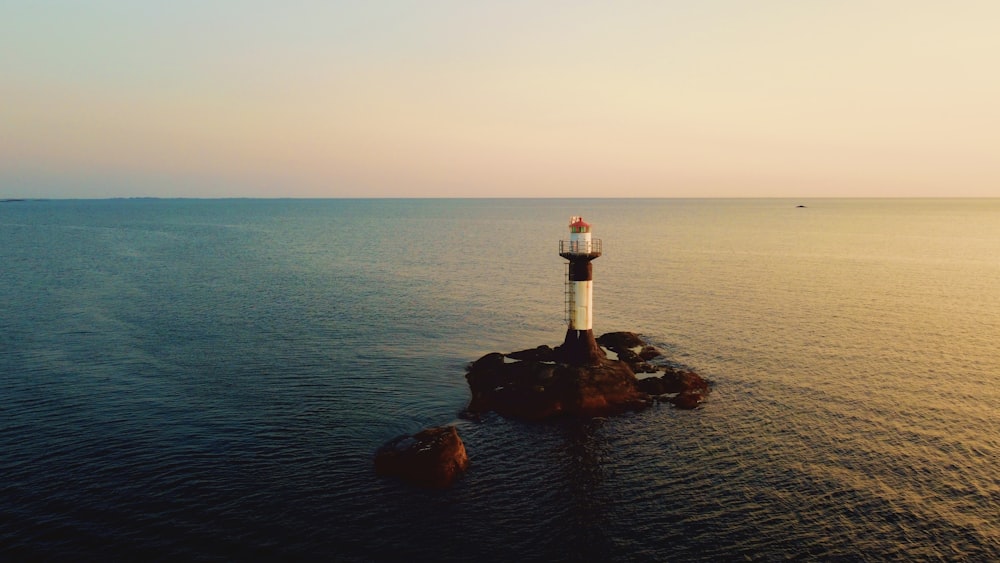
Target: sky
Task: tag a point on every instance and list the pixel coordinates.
(465, 98)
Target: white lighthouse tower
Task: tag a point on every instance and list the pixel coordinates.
(579, 347)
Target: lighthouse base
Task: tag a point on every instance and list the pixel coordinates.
(538, 383)
(580, 348)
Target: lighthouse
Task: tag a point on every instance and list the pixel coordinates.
(581, 249)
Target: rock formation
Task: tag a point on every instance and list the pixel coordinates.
(537, 383)
(434, 457)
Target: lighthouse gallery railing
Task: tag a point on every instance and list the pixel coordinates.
(580, 246)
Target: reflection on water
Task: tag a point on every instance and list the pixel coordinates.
(209, 379)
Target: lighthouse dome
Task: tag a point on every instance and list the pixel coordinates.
(578, 225)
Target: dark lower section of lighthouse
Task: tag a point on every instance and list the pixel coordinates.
(580, 348)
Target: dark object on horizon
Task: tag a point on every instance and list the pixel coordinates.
(433, 458)
(540, 383)
(800, 206)
(11, 200)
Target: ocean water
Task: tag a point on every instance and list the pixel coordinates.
(209, 379)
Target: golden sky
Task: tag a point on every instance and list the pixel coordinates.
(707, 98)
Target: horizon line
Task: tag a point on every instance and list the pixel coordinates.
(588, 198)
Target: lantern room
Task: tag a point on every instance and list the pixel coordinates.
(579, 242)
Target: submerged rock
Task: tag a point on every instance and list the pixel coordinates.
(434, 457)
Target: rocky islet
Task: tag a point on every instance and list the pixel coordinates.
(537, 384)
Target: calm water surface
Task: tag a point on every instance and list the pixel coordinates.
(208, 380)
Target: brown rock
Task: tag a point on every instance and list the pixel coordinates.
(434, 457)
(535, 390)
(622, 340)
(628, 356)
(676, 381)
(648, 353)
(652, 386)
(544, 382)
(600, 390)
(689, 387)
(624, 343)
(543, 353)
(687, 400)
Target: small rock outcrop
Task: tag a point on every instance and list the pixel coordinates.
(688, 388)
(433, 458)
(536, 383)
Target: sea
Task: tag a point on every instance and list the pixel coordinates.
(208, 380)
